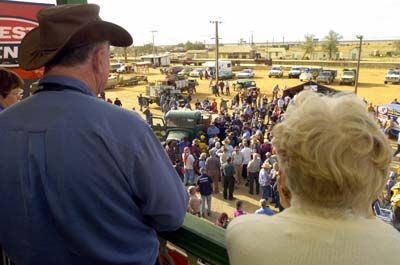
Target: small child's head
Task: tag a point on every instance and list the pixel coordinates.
(192, 190)
(264, 203)
(239, 205)
(223, 217)
(203, 170)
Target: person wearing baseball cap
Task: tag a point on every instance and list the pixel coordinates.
(78, 184)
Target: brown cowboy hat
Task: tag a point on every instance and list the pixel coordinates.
(64, 27)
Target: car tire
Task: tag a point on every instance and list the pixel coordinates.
(269, 76)
(385, 82)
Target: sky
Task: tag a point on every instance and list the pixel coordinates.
(178, 21)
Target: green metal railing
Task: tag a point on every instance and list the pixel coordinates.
(200, 239)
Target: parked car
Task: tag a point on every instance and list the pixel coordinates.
(196, 72)
(175, 69)
(315, 71)
(112, 81)
(392, 76)
(306, 75)
(276, 71)
(245, 83)
(185, 71)
(326, 77)
(246, 73)
(224, 75)
(295, 72)
(348, 77)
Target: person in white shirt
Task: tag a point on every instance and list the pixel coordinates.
(334, 164)
(188, 161)
(281, 103)
(237, 161)
(246, 151)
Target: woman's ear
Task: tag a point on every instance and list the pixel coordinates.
(284, 193)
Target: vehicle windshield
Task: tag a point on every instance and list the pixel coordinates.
(182, 122)
(348, 73)
(325, 73)
(276, 68)
(394, 72)
(296, 69)
(246, 71)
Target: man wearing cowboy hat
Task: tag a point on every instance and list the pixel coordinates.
(264, 179)
(78, 184)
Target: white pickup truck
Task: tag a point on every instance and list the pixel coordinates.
(276, 71)
(392, 76)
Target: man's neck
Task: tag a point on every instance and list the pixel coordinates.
(81, 73)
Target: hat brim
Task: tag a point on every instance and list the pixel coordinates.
(33, 56)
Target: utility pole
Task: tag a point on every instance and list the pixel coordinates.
(125, 55)
(216, 22)
(154, 56)
(360, 37)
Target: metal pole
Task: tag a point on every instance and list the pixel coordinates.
(360, 37)
(216, 22)
(125, 54)
(154, 56)
(216, 55)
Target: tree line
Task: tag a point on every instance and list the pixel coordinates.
(329, 45)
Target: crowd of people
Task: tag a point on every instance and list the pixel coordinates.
(235, 150)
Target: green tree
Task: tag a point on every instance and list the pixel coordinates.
(331, 41)
(194, 46)
(308, 45)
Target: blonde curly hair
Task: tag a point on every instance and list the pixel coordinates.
(332, 153)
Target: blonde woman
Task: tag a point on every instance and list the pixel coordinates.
(334, 162)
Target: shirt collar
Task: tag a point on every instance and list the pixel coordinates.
(67, 81)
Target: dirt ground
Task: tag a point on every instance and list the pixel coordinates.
(371, 87)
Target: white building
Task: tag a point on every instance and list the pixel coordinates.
(157, 59)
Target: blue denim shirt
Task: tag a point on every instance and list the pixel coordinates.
(79, 183)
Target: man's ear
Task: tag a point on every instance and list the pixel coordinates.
(100, 59)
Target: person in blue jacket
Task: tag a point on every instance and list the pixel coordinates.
(204, 183)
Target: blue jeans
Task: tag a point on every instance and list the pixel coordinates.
(188, 177)
(266, 191)
(205, 199)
